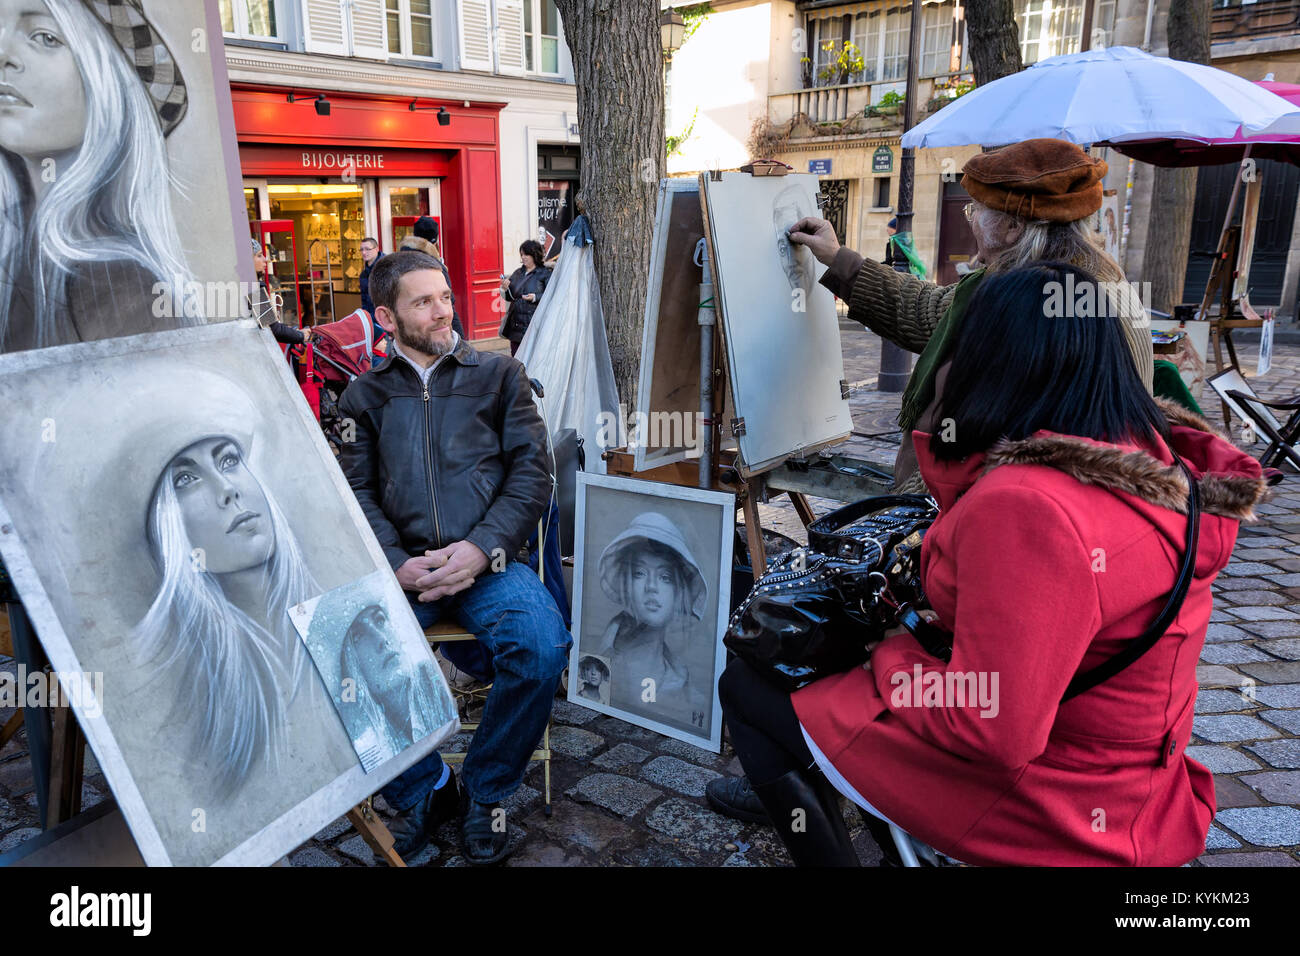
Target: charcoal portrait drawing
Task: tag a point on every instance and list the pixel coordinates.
(168, 503)
(651, 582)
(90, 93)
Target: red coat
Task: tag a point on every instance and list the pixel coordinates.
(1059, 553)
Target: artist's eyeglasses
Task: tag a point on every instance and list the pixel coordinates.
(969, 211)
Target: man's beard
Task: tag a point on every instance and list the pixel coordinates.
(421, 341)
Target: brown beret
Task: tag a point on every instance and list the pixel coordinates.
(1048, 179)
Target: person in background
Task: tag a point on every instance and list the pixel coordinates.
(426, 228)
(523, 290)
(370, 254)
(264, 305)
(889, 244)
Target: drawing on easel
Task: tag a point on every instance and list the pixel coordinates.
(791, 205)
(380, 674)
(108, 165)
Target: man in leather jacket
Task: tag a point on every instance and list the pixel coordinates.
(450, 465)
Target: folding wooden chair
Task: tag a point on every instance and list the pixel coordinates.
(449, 632)
(1257, 413)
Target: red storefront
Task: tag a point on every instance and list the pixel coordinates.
(318, 184)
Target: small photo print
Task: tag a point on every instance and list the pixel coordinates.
(593, 678)
(375, 663)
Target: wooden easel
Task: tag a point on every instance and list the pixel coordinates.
(1228, 274)
(792, 477)
(60, 784)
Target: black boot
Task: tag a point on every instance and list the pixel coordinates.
(735, 798)
(805, 810)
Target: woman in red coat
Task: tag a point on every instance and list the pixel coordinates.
(1062, 528)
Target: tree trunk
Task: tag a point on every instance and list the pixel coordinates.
(1173, 191)
(618, 68)
(994, 39)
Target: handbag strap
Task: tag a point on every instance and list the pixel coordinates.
(1147, 639)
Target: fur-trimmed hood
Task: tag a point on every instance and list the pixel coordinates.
(1229, 480)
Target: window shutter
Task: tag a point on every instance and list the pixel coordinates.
(475, 34)
(369, 34)
(510, 37)
(324, 31)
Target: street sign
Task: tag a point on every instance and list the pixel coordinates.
(882, 160)
(819, 167)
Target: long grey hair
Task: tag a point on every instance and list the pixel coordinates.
(244, 671)
(1079, 245)
(113, 202)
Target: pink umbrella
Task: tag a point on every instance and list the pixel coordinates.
(1190, 152)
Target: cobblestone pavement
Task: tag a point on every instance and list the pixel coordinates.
(624, 796)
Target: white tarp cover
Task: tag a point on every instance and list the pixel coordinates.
(565, 348)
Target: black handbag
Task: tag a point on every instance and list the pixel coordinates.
(817, 609)
(816, 612)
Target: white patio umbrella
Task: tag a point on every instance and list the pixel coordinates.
(1111, 95)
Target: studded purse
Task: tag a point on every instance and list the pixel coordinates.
(817, 609)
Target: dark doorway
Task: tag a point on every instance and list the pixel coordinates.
(1280, 184)
(835, 205)
(956, 241)
(557, 182)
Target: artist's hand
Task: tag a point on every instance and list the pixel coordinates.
(457, 565)
(530, 297)
(818, 235)
(414, 569)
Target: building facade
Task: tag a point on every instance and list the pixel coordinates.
(818, 84)
(356, 117)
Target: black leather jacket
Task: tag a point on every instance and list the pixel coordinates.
(466, 460)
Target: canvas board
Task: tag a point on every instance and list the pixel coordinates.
(1230, 380)
(669, 389)
(1193, 350)
(127, 192)
(380, 676)
(164, 500)
(670, 347)
(780, 327)
(652, 580)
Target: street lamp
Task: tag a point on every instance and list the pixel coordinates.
(672, 30)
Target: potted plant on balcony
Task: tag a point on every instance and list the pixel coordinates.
(945, 93)
(890, 104)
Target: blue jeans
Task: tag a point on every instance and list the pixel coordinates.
(516, 621)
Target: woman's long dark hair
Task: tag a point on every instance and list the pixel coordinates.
(1033, 353)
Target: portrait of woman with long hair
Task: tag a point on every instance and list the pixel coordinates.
(88, 94)
(226, 567)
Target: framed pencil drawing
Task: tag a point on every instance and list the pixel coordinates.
(651, 584)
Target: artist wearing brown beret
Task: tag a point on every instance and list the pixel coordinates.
(1031, 202)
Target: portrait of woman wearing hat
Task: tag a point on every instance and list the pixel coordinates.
(658, 647)
(88, 93)
(228, 568)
